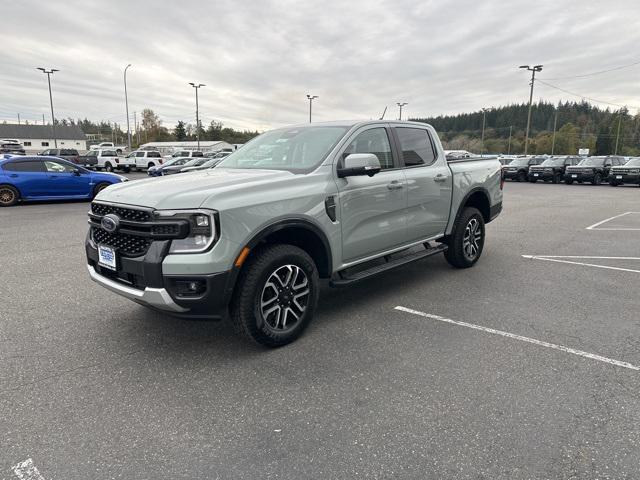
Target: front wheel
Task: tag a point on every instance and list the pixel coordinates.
(276, 295)
(557, 178)
(568, 181)
(597, 179)
(522, 177)
(533, 180)
(613, 183)
(467, 240)
(99, 187)
(8, 196)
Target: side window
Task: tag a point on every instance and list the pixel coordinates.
(154, 154)
(374, 141)
(55, 167)
(108, 153)
(416, 146)
(139, 154)
(23, 167)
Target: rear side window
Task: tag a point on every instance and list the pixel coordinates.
(153, 155)
(416, 146)
(23, 167)
(109, 153)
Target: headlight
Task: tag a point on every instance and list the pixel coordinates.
(202, 229)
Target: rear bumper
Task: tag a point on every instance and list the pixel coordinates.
(494, 211)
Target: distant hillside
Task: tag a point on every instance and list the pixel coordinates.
(579, 125)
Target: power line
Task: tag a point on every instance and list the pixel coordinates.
(598, 72)
(584, 96)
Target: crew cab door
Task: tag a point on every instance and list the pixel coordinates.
(372, 209)
(429, 183)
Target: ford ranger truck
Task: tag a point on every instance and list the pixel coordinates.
(341, 201)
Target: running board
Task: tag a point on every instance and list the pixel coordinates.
(345, 280)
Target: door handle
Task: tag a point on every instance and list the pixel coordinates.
(440, 178)
(13, 175)
(395, 185)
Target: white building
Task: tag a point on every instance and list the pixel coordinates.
(35, 138)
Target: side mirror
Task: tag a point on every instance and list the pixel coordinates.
(358, 164)
(77, 171)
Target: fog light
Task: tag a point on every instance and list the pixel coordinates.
(185, 288)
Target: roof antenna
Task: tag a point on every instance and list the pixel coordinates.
(383, 113)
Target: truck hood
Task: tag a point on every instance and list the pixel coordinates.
(191, 189)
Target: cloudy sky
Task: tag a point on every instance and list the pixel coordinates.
(259, 59)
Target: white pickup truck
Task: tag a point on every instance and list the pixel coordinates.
(120, 149)
(107, 160)
(145, 159)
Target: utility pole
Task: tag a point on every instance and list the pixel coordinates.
(53, 118)
(555, 123)
(126, 103)
(18, 119)
(43, 119)
(400, 105)
(533, 70)
(509, 147)
(484, 116)
(311, 99)
(197, 112)
(618, 134)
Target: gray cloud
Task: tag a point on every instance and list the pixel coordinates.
(259, 59)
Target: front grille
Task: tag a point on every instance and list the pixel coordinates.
(128, 245)
(132, 214)
(168, 229)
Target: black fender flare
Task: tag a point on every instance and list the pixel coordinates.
(466, 198)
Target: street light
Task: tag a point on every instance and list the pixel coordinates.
(533, 70)
(53, 118)
(197, 113)
(311, 99)
(126, 102)
(401, 105)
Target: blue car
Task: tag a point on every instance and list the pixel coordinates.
(49, 178)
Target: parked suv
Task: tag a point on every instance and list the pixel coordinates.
(12, 148)
(627, 173)
(592, 169)
(518, 168)
(145, 159)
(552, 169)
(70, 154)
(341, 201)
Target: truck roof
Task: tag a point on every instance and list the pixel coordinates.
(354, 123)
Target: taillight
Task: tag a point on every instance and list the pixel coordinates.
(117, 160)
(501, 179)
(160, 161)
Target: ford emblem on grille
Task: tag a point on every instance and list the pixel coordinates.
(110, 223)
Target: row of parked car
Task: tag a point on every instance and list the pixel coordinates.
(615, 170)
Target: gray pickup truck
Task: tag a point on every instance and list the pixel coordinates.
(341, 201)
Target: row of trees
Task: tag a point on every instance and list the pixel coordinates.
(151, 129)
(578, 125)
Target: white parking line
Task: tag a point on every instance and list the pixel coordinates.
(27, 471)
(556, 258)
(514, 336)
(595, 225)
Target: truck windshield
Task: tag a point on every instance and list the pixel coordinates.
(553, 162)
(592, 162)
(519, 162)
(296, 150)
(634, 162)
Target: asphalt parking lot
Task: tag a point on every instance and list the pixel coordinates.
(490, 377)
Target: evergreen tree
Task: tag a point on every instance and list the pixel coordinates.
(179, 132)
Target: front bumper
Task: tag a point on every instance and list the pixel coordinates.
(579, 176)
(141, 279)
(511, 175)
(545, 176)
(626, 178)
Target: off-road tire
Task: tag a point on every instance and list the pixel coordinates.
(9, 196)
(455, 254)
(245, 308)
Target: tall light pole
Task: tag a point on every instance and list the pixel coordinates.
(126, 103)
(311, 99)
(197, 111)
(400, 105)
(533, 70)
(509, 147)
(484, 116)
(618, 134)
(53, 118)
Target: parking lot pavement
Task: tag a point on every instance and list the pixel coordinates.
(94, 386)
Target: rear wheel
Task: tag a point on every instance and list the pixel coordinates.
(9, 196)
(108, 167)
(467, 240)
(276, 295)
(149, 165)
(557, 178)
(127, 169)
(597, 179)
